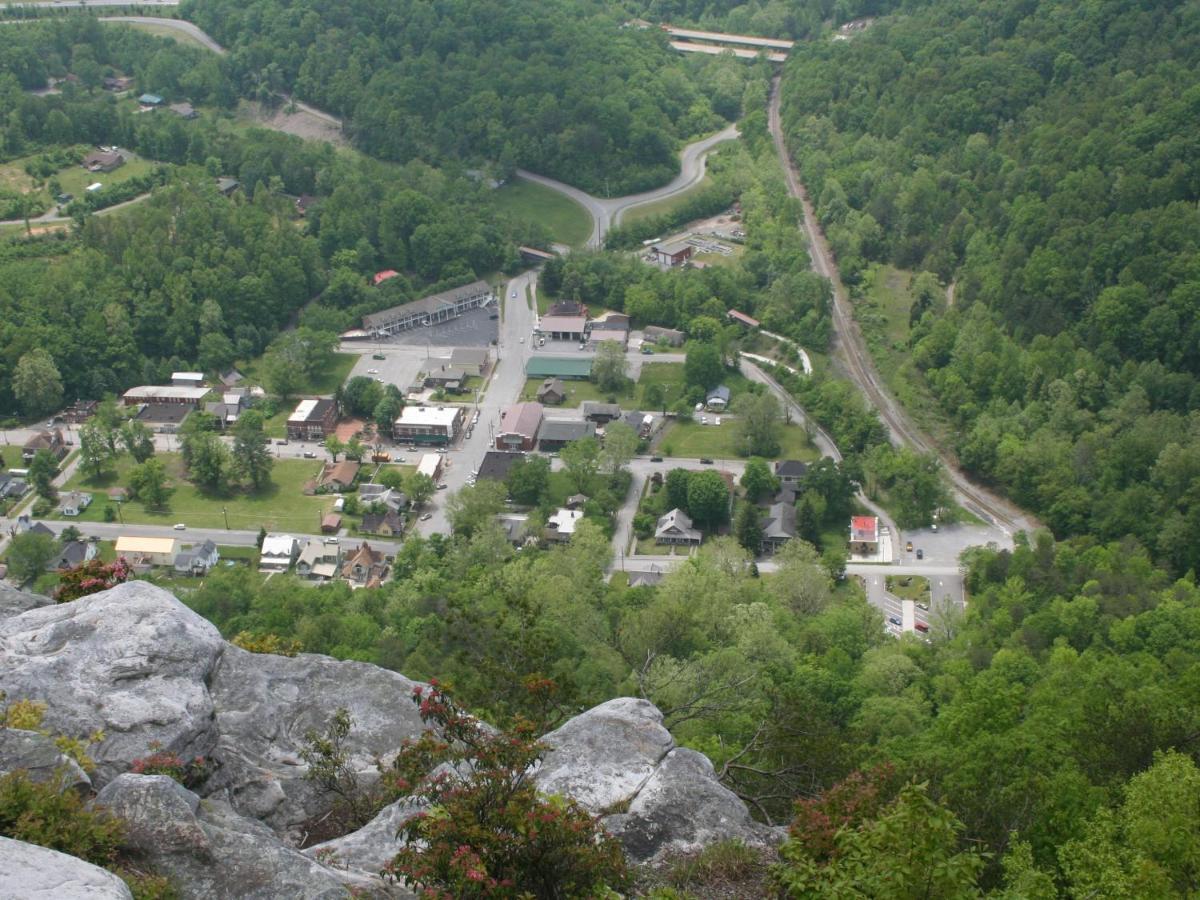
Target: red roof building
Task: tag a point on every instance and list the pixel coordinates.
(864, 534)
(381, 277)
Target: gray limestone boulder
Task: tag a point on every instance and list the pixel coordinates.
(602, 757)
(28, 872)
(682, 808)
(14, 602)
(211, 853)
(372, 847)
(36, 755)
(133, 662)
(266, 704)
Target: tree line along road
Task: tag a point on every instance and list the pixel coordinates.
(850, 347)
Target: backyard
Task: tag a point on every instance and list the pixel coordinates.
(325, 381)
(72, 179)
(10, 455)
(691, 440)
(567, 221)
(280, 506)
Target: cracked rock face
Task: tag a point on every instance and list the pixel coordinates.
(14, 602)
(211, 851)
(37, 756)
(35, 873)
(133, 662)
(603, 757)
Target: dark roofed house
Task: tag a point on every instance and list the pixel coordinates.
(388, 524)
(118, 83)
(496, 464)
(198, 560)
(103, 160)
(779, 526)
(79, 412)
(718, 398)
(163, 417)
(675, 253)
(331, 523)
(600, 413)
(556, 434)
(644, 579)
(12, 487)
(790, 471)
(72, 554)
(552, 392)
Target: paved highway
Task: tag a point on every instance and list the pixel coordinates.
(852, 349)
(606, 213)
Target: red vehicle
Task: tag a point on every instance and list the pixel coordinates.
(921, 627)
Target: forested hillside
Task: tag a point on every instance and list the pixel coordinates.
(1045, 157)
(187, 277)
(557, 87)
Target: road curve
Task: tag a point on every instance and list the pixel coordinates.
(850, 347)
(606, 213)
(179, 25)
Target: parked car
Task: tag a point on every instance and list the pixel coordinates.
(895, 621)
(282, 443)
(920, 553)
(704, 460)
(493, 315)
(378, 356)
(442, 486)
(513, 295)
(908, 547)
(426, 517)
(180, 527)
(308, 454)
(921, 627)
(656, 459)
(520, 340)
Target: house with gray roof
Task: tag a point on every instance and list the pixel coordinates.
(198, 560)
(778, 526)
(557, 433)
(717, 399)
(72, 554)
(676, 528)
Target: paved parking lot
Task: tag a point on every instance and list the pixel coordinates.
(946, 544)
(400, 367)
(473, 328)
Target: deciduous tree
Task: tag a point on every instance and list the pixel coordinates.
(37, 384)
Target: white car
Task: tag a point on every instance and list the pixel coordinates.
(426, 517)
(372, 371)
(522, 340)
(513, 295)
(181, 527)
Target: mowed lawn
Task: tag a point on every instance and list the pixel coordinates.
(666, 205)
(669, 376)
(75, 179)
(325, 381)
(577, 392)
(692, 440)
(163, 31)
(280, 506)
(567, 221)
(10, 455)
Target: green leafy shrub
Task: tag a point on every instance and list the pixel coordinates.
(48, 815)
(267, 643)
(488, 833)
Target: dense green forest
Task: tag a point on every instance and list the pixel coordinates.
(116, 303)
(560, 88)
(1045, 157)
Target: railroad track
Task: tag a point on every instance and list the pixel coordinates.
(851, 349)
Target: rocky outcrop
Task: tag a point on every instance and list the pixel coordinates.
(139, 665)
(132, 662)
(264, 706)
(35, 873)
(211, 852)
(603, 757)
(37, 756)
(683, 807)
(14, 602)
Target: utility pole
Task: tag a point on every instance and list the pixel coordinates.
(225, 513)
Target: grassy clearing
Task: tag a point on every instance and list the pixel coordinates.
(76, 178)
(280, 506)
(325, 381)
(721, 259)
(909, 587)
(567, 221)
(578, 392)
(883, 314)
(668, 376)
(664, 206)
(693, 440)
(10, 455)
(164, 31)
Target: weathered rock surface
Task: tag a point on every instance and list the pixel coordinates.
(372, 847)
(36, 755)
(28, 872)
(264, 706)
(603, 757)
(683, 807)
(212, 852)
(133, 662)
(14, 602)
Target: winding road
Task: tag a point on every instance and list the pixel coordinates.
(606, 213)
(851, 349)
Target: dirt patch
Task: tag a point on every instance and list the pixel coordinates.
(298, 122)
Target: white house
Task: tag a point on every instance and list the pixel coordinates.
(561, 526)
(278, 553)
(676, 528)
(74, 502)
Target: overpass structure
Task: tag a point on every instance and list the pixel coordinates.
(739, 52)
(720, 37)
